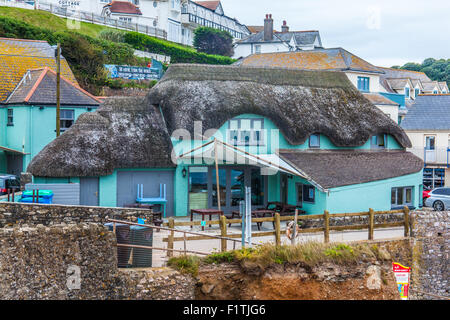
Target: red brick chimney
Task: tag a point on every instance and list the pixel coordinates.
(284, 27)
(268, 28)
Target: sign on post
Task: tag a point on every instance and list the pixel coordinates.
(402, 276)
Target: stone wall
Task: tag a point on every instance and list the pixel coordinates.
(12, 213)
(78, 261)
(353, 220)
(430, 254)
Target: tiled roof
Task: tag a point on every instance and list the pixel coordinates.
(429, 112)
(378, 99)
(123, 7)
(255, 29)
(302, 38)
(430, 85)
(390, 73)
(18, 56)
(37, 87)
(336, 59)
(212, 5)
(398, 84)
(444, 86)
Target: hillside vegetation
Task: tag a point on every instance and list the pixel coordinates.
(435, 69)
(87, 49)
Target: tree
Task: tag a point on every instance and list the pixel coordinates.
(435, 69)
(213, 41)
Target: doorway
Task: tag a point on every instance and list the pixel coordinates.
(14, 164)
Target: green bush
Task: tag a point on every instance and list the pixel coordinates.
(177, 53)
(213, 41)
(112, 35)
(185, 264)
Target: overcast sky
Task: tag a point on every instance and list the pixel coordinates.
(383, 32)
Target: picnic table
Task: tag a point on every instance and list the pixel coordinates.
(204, 212)
(260, 213)
(283, 208)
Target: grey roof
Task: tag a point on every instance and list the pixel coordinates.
(429, 112)
(390, 73)
(302, 38)
(337, 168)
(37, 87)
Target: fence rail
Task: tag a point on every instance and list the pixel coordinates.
(276, 219)
(89, 17)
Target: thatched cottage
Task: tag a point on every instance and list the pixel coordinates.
(306, 138)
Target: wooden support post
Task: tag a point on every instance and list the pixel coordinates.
(277, 229)
(326, 234)
(184, 236)
(406, 216)
(170, 238)
(371, 223)
(223, 233)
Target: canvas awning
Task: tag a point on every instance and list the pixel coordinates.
(227, 154)
(12, 150)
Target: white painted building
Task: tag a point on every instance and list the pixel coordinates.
(179, 18)
(267, 40)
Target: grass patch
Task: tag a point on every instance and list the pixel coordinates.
(185, 264)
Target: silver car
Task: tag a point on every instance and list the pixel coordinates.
(439, 199)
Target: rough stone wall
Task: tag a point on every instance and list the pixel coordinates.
(430, 254)
(77, 261)
(12, 213)
(356, 220)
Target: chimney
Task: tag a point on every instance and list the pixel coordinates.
(284, 27)
(268, 28)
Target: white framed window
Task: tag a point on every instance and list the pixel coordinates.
(257, 48)
(125, 19)
(66, 119)
(401, 196)
(246, 132)
(378, 142)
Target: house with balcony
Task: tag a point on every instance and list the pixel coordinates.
(427, 125)
(28, 101)
(196, 14)
(267, 40)
(124, 11)
(305, 138)
(363, 75)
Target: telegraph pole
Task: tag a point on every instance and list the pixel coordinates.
(58, 82)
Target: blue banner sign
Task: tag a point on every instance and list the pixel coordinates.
(152, 72)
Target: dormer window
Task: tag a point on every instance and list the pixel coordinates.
(314, 141)
(407, 92)
(246, 132)
(378, 141)
(435, 92)
(416, 92)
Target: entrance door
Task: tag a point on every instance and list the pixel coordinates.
(89, 191)
(14, 164)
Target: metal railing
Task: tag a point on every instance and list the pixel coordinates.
(89, 17)
(437, 156)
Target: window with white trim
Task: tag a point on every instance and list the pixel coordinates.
(401, 196)
(66, 119)
(246, 132)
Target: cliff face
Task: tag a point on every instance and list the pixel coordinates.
(295, 282)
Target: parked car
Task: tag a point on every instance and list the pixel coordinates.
(425, 195)
(8, 181)
(439, 199)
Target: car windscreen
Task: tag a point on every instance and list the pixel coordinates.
(442, 191)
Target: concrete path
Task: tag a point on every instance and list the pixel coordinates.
(209, 246)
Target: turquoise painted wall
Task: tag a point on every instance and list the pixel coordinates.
(33, 129)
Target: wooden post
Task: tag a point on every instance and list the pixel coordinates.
(277, 229)
(406, 215)
(184, 236)
(223, 233)
(294, 232)
(170, 238)
(326, 235)
(58, 88)
(371, 223)
(217, 174)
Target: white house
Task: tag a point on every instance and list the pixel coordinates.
(267, 40)
(179, 18)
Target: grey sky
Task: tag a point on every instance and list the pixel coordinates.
(383, 32)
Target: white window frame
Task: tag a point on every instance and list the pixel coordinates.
(250, 132)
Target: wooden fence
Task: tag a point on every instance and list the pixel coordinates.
(276, 220)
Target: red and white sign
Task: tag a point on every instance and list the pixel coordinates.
(402, 276)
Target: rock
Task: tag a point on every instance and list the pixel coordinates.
(374, 280)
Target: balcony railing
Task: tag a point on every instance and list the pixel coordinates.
(436, 156)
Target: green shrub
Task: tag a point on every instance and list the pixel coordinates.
(112, 35)
(177, 53)
(220, 257)
(185, 264)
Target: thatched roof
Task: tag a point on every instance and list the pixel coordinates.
(122, 133)
(299, 102)
(336, 168)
